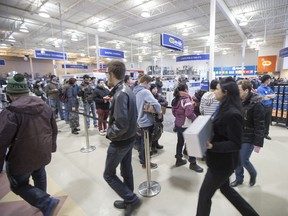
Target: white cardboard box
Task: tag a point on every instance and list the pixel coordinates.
(197, 135)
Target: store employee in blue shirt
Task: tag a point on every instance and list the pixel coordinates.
(268, 95)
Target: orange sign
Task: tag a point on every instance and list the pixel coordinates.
(267, 63)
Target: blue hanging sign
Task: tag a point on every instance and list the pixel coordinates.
(74, 66)
(110, 53)
(236, 70)
(103, 65)
(192, 57)
(283, 52)
(2, 62)
(171, 42)
(50, 55)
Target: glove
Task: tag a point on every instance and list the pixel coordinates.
(257, 149)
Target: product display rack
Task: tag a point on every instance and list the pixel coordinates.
(280, 104)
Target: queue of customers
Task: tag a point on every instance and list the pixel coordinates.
(237, 115)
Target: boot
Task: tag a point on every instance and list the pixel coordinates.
(195, 167)
(74, 131)
(153, 151)
(159, 146)
(180, 162)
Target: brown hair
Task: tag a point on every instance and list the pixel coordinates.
(245, 84)
(117, 68)
(145, 78)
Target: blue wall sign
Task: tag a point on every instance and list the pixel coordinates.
(50, 55)
(110, 53)
(171, 42)
(192, 57)
(283, 52)
(74, 66)
(103, 65)
(2, 62)
(235, 71)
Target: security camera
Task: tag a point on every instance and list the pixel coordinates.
(11, 44)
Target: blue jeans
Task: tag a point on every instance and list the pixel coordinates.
(142, 144)
(245, 153)
(90, 107)
(56, 107)
(180, 144)
(35, 195)
(121, 155)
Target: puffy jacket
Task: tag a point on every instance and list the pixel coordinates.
(122, 119)
(183, 107)
(29, 130)
(254, 127)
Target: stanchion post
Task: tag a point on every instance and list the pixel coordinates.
(148, 188)
(88, 148)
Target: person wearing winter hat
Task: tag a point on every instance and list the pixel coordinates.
(27, 120)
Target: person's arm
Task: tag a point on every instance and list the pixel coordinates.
(8, 130)
(259, 124)
(54, 133)
(201, 107)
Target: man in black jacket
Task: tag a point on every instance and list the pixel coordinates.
(121, 131)
(253, 131)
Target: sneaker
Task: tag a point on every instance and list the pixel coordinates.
(195, 167)
(74, 132)
(120, 204)
(132, 208)
(152, 165)
(252, 181)
(267, 137)
(102, 133)
(51, 207)
(159, 146)
(95, 126)
(235, 183)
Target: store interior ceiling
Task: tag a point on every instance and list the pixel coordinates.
(134, 26)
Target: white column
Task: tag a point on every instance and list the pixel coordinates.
(97, 52)
(285, 59)
(243, 58)
(55, 67)
(212, 38)
(31, 67)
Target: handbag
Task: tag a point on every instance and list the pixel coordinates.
(149, 108)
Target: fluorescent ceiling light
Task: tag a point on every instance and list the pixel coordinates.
(224, 52)
(3, 45)
(117, 46)
(23, 28)
(145, 13)
(43, 13)
(74, 37)
(11, 38)
(185, 32)
(101, 28)
(243, 23)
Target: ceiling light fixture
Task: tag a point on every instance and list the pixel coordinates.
(117, 46)
(243, 23)
(11, 38)
(23, 28)
(43, 13)
(74, 37)
(56, 44)
(185, 32)
(145, 13)
(224, 52)
(145, 40)
(101, 28)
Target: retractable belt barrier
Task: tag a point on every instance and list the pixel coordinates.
(148, 188)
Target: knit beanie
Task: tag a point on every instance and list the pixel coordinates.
(17, 85)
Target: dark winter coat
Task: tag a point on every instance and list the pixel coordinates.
(98, 95)
(253, 114)
(29, 130)
(226, 141)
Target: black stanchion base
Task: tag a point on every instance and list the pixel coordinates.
(154, 189)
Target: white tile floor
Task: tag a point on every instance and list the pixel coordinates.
(80, 175)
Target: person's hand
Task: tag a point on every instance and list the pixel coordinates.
(160, 115)
(209, 145)
(257, 149)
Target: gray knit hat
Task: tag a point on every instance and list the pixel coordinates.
(17, 85)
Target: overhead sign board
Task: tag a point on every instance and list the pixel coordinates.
(50, 55)
(283, 52)
(192, 57)
(235, 70)
(74, 66)
(171, 42)
(2, 62)
(110, 53)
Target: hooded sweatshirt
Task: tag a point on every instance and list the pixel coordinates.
(29, 130)
(143, 96)
(208, 103)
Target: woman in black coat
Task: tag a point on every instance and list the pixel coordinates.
(223, 151)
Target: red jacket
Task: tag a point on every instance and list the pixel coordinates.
(29, 130)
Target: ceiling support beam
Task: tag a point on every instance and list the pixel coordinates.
(227, 13)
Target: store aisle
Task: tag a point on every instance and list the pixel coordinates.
(78, 178)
